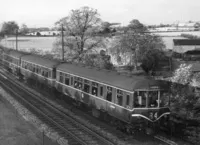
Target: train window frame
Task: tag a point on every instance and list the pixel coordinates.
(72, 81)
(138, 99)
(86, 88)
(101, 91)
(78, 83)
(119, 97)
(46, 74)
(54, 73)
(61, 77)
(127, 100)
(109, 91)
(95, 88)
(67, 77)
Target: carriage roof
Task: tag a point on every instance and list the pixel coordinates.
(49, 63)
(17, 54)
(111, 78)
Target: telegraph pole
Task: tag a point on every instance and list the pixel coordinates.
(62, 44)
(16, 39)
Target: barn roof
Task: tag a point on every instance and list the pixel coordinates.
(40, 60)
(110, 77)
(179, 42)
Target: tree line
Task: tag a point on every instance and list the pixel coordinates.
(82, 39)
(91, 41)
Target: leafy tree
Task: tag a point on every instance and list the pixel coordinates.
(136, 26)
(81, 27)
(150, 60)
(137, 47)
(38, 34)
(185, 102)
(9, 28)
(24, 29)
(98, 60)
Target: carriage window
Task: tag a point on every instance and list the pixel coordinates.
(36, 69)
(39, 70)
(101, 91)
(61, 77)
(86, 88)
(33, 68)
(109, 94)
(49, 73)
(46, 74)
(140, 98)
(94, 88)
(75, 84)
(127, 100)
(67, 79)
(78, 83)
(72, 81)
(25, 65)
(119, 97)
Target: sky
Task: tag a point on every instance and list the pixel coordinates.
(44, 13)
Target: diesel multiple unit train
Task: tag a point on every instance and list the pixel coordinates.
(127, 100)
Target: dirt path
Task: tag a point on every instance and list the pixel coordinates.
(14, 130)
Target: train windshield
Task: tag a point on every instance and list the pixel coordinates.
(151, 99)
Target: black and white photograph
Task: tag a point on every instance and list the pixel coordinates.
(100, 72)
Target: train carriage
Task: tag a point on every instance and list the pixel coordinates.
(124, 100)
(12, 60)
(39, 69)
(127, 98)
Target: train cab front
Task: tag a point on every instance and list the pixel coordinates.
(151, 107)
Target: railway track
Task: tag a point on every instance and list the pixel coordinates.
(73, 131)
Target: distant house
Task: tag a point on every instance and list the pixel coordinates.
(187, 26)
(44, 33)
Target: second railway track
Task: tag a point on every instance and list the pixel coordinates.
(66, 126)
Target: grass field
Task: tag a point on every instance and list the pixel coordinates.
(46, 43)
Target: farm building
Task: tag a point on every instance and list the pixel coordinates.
(186, 51)
(184, 45)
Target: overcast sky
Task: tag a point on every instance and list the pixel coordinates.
(44, 13)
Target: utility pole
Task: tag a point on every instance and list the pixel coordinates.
(16, 39)
(62, 44)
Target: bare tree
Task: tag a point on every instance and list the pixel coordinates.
(81, 27)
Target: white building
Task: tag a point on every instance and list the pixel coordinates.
(44, 33)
